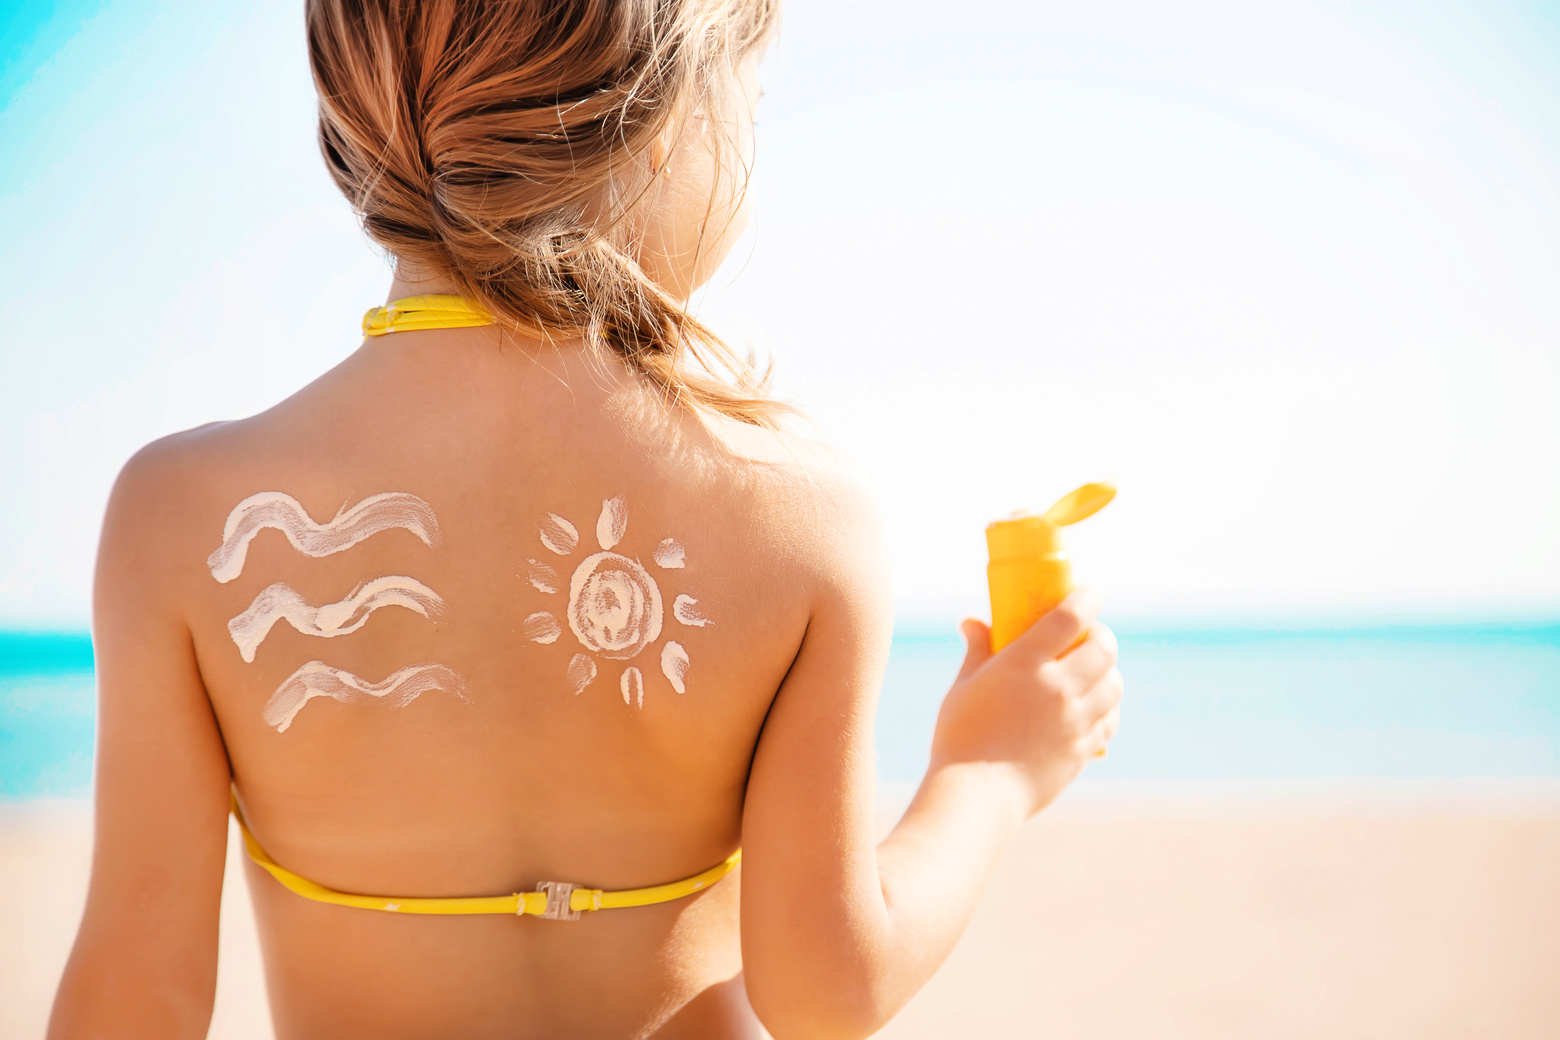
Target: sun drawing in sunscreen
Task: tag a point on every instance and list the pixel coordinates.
(615, 607)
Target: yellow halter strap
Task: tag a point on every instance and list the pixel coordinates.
(424, 312)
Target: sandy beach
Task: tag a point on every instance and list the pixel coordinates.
(1219, 910)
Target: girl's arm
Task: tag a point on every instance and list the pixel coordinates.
(145, 959)
(838, 933)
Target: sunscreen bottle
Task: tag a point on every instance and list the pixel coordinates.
(1029, 572)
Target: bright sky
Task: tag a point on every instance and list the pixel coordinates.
(1286, 272)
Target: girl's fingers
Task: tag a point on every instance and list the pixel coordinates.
(1095, 656)
(1095, 742)
(1103, 697)
(977, 639)
(1051, 636)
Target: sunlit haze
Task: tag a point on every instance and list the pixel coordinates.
(1284, 272)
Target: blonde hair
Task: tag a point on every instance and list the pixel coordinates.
(497, 142)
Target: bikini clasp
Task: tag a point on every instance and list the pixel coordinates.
(558, 893)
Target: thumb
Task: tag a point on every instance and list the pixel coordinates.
(978, 639)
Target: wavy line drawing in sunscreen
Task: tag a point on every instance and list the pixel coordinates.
(347, 528)
(318, 679)
(281, 602)
(615, 608)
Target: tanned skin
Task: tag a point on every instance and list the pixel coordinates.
(822, 933)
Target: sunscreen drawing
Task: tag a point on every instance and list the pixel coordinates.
(669, 555)
(684, 611)
(615, 608)
(674, 665)
(612, 523)
(347, 528)
(281, 602)
(542, 627)
(318, 679)
(559, 535)
(582, 672)
(633, 685)
(542, 577)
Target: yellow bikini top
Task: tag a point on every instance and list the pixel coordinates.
(414, 313)
(553, 900)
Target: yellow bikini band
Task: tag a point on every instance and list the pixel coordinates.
(415, 313)
(553, 900)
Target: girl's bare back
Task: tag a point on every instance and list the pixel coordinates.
(541, 636)
(537, 601)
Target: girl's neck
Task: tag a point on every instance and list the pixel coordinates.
(409, 280)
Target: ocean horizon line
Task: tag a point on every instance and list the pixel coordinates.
(1090, 794)
(1470, 699)
(1201, 629)
(48, 649)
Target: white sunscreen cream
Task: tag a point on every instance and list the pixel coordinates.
(347, 528)
(613, 522)
(633, 686)
(558, 535)
(281, 602)
(542, 627)
(669, 555)
(542, 577)
(674, 665)
(684, 611)
(318, 679)
(582, 671)
(615, 608)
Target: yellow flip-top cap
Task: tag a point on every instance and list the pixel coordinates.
(1025, 535)
(1021, 537)
(1080, 504)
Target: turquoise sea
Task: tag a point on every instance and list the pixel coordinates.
(1407, 701)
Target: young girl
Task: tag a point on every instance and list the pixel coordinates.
(503, 637)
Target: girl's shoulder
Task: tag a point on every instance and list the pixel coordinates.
(172, 497)
(805, 476)
(814, 506)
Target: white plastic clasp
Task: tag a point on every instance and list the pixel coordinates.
(558, 900)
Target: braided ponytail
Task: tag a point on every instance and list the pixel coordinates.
(498, 143)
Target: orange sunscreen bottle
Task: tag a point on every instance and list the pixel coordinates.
(1029, 572)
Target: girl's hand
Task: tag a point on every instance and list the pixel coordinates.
(1041, 708)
